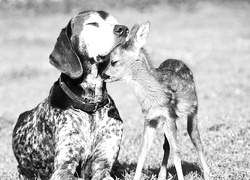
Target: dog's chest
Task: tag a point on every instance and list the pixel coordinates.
(45, 133)
(77, 128)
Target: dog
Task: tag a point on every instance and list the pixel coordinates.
(75, 133)
(166, 94)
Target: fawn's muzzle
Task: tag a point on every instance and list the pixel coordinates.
(105, 76)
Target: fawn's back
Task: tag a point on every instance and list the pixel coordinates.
(164, 93)
(171, 85)
(178, 84)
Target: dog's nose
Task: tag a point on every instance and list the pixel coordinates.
(121, 30)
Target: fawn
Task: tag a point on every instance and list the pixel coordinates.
(165, 94)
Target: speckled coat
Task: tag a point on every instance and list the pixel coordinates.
(49, 138)
(58, 139)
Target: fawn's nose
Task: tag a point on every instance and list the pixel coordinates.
(105, 76)
(121, 30)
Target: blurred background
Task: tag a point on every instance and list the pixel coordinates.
(211, 36)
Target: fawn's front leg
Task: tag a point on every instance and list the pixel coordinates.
(148, 137)
(170, 131)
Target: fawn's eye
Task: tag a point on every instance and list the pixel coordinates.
(94, 24)
(113, 63)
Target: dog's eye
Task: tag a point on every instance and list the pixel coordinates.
(94, 24)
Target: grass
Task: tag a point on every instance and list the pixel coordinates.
(213, 39)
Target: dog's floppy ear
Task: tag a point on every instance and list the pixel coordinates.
(64, 57)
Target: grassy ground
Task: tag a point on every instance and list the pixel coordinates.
(213, 40)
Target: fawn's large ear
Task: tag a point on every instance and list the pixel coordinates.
(139, 34)
(64, 57)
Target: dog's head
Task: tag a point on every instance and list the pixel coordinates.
(90, 35)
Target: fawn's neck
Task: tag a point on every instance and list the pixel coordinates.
(144, 82)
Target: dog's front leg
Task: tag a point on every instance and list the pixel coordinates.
(65, 165)
(107, 150)
(103, 162)
(65, 172)
(70, 150)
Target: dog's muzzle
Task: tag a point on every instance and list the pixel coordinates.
(121, 30)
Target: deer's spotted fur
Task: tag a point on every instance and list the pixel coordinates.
(166, 93)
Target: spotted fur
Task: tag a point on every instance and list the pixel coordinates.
(59, 139)
(48, 139)
(166, 93)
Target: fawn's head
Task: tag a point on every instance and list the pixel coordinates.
(123, 57)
